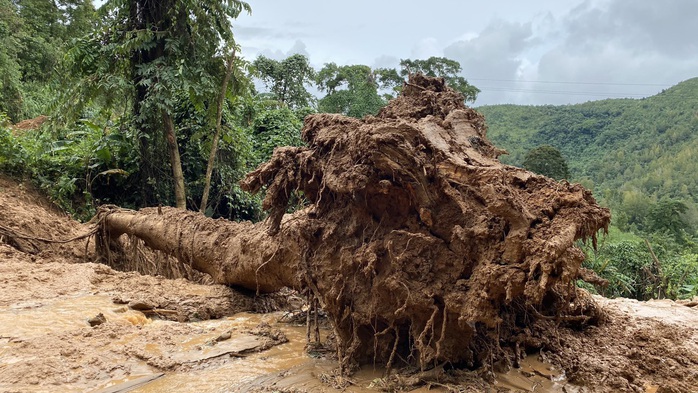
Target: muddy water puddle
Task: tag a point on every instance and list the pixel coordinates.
(48, 317)
(136, 354)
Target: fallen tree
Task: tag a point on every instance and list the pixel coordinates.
(419, 244)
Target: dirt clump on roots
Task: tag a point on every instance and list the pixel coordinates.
(422, 248)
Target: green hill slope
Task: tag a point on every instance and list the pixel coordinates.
(627, 150)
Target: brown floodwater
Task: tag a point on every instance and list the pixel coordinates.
(282, 366)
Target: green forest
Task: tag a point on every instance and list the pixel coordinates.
(142, 103)
(638, 157)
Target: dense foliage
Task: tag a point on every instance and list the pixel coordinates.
(288, 80)
(34, 35)
(546, 160)
(138, 103)
(638, 157)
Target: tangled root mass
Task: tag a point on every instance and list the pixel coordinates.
(421, 246)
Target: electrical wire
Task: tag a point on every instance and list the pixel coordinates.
(486, 89)
(569, 82)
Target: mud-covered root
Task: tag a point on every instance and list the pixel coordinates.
(240, 254)
(421, 245)
(422, 248)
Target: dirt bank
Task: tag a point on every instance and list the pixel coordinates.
(644, 347)
(24, 210)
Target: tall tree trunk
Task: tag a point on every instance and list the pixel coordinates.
(146, 14)
(175, 161)
(214, 143)
(241, 254)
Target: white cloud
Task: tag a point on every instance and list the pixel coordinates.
(610, 47)
(599, 49)
(298, 48)
(426, 48)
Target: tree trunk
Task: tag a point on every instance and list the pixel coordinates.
(419, 244)
(175, 161)
(216, 135)
(241, 254)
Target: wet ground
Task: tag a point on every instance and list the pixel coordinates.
(211, 344)
(48, 344)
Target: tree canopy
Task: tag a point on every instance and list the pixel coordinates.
(350, 90)
(287, 79)
(548, 161)
(34, 35)
(164, 54)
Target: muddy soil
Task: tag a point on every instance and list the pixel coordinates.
(23, 209)
(644, 347)
(161, 329)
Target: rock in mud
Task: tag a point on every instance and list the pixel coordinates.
(141, 305)
(97, 320)
(224, 336)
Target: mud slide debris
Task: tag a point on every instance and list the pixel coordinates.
(420, 245)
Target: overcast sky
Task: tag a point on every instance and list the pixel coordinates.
(521, 52)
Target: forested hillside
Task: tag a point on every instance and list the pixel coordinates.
(617, 146)
(638, 156)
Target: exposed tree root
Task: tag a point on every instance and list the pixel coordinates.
(419, 244)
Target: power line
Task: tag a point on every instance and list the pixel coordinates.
(486, 89)
(568, 82)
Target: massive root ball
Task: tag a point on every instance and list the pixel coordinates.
(421, 246)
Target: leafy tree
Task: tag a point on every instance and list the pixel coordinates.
(351, 90)
(287, 79)
(10, 78)
(161, 54)
(33, 38)
(667, 216)
(548, 161)
(48, 27)
(444, 68)
(389, 79)
(631, 216)
(275, 127)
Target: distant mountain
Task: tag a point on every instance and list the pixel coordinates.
(620, 147)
